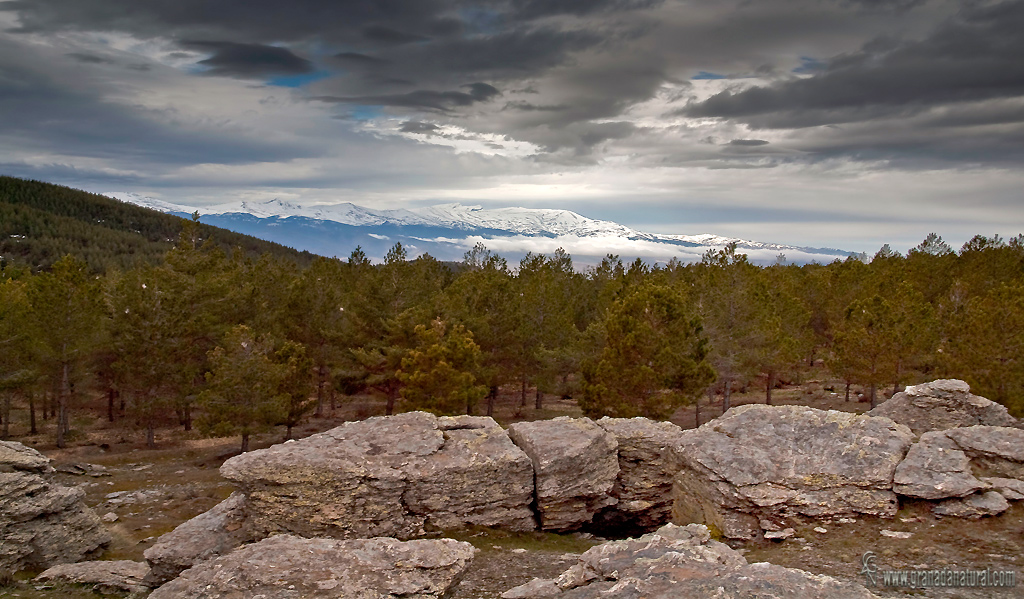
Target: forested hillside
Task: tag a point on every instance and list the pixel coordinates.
(40, 222)
(238, 343)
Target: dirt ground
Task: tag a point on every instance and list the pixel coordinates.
(152, 491)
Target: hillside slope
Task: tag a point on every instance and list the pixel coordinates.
(40, 222)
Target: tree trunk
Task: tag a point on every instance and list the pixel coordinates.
(150, 432)
(727, 396)
(522, 395)
(874, 395)
(6, 417)
(32, 413)
(491, 397)
(847, 390)
(334, 400)
(319, 391)
(245, 442)
(539, 403)
(110, 403)
(768, 389)
(188, 416)
(62, 405)
(288, 431)
(392, 396)
(896, 387)
(696, 413)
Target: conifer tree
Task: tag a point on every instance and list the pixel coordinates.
(654, 357)
(66, 311)
(438, 372)
(243, 394)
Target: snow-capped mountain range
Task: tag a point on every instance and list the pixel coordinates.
(446, 231)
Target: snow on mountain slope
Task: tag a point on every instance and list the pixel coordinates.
(447, 227)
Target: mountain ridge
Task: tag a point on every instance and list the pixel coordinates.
(447, 227)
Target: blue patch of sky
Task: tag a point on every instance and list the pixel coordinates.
(707, 75)
(809, 65)
(364, 112)
(297, 80)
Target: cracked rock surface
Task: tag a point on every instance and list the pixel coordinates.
(681, 561)
(288, 567)
(395, 476)
(761, 463)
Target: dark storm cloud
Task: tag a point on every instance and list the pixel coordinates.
(53, 116)
(973, 57)
(748, 142)
(422, 99)
(387, 35)
(355, 58)
(249, 60)
(88, 58)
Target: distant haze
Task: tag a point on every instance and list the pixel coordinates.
(821, 123)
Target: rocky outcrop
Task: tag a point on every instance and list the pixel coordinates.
(990, 503)
(976, 469)
(936, 468)
(388, 476)
(681, 561)
(105, 577)
(575, 464)
(208, 535)
(647, 465)
(756, 465)
(941, 405)
(15, 457)
(288, 567)
(41, 523)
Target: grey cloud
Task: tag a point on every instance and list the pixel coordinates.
(88, 58)
(387, 35)
(421, 99)
(974, 56)
(249, 60)
(748, 142)
(355, 58)
(418, 127)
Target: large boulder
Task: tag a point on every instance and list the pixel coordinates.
(750, 469)
(973, 507)
(681, 561)
(41, 523)
(106, 577)
(936, 468)
(15, 457)
(974, 469)
(208, 535)
(647, 465)
(388, 476)
(941, 405)
(289, 567)
(575, 463)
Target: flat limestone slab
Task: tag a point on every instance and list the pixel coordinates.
(288, 567)
(576, 465)
(394, 476)
(763, 463)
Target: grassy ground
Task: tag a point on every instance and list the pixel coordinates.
(161, 488)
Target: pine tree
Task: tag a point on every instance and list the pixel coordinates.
(439, 372)
(653, 360)
(66, 311)
(243, 394)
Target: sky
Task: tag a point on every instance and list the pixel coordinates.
(830, 123)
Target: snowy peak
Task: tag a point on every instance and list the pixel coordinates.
(447, 230)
